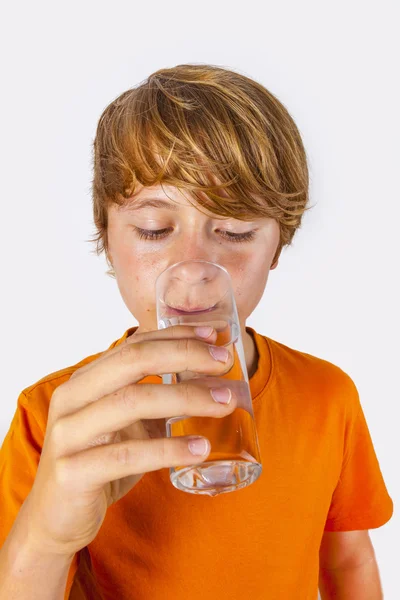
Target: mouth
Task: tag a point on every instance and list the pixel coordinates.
(178, 311)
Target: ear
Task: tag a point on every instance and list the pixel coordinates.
(274, 265)
(276, 258)
(109, 259)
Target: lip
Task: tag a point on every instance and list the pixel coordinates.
(176, 311)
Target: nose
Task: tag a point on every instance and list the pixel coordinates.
(194, 284)
(195, 271)
(196, 243)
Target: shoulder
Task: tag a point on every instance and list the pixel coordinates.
(35, 398)
(313, 377)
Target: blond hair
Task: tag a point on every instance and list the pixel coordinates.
(199, 128)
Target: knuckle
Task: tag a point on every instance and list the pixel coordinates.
(56, 396)
(130, 352)
(183, 347)
(162, 451)
(76, 373)
(185, 390)
(122, 454)
(132, 339)
(176, 331)
(127, 398)
(61, 392)
(173, 332)
(183, 344)
(55, 405)
(58, 435)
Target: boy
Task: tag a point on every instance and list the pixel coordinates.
(196, 162)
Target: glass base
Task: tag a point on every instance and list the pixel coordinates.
(215, 477)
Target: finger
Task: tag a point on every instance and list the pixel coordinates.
(75, 432)
(132, 363)
(93, 468)
(174, 332)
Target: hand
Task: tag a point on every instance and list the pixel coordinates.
(105, 430)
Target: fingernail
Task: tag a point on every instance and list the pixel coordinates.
(222, 395)
(198, 445)
(203, 332)
(219, 353)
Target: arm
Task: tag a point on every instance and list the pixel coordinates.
(348, 568)
(28, 572)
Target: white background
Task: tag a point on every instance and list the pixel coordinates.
(335, 293)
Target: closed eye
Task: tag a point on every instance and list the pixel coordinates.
(149, 234)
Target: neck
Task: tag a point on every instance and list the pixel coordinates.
(250, 352)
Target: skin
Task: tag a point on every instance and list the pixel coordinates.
(100, 438)
(348, 568)
(194, 235)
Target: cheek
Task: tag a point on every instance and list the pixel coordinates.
(136, 274)
(129, 259)
(249, 275)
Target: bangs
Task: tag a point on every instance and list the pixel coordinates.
(175, 132)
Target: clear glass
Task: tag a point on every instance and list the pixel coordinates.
(199, 292)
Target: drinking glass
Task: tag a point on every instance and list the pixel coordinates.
(199, 292)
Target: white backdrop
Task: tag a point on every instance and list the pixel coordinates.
(335, 292)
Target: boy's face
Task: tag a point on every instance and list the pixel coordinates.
(193, 235)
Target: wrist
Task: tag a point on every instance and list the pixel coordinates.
(25, 566)
(24, 553)
(25, 547)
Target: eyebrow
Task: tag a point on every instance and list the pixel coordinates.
(133, 206)
(151, 202)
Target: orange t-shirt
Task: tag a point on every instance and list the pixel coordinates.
(320, 472)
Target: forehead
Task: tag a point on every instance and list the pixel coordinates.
(164, 197)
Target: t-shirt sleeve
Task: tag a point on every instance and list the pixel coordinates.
(360, 499)
(19, 460)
